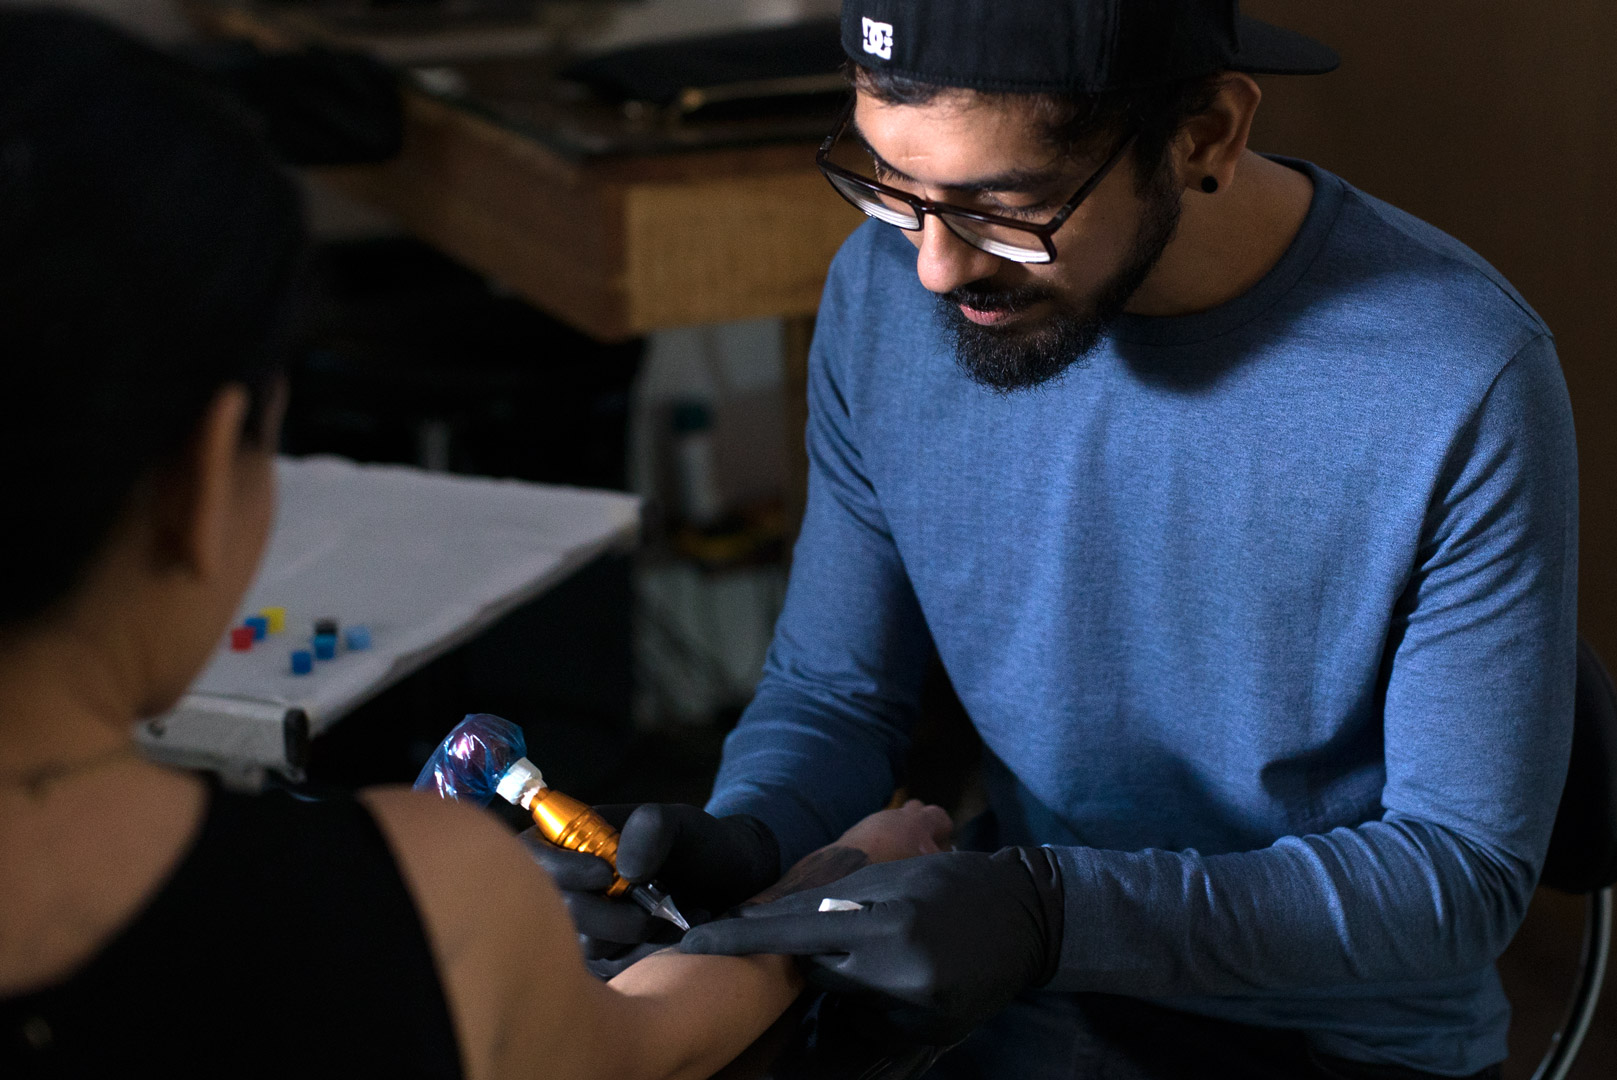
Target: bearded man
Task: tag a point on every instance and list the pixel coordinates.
(1240, 509)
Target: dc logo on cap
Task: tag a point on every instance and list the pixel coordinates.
(879, 39)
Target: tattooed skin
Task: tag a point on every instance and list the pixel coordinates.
(820, 868)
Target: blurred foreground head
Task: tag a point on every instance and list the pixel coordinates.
(148, 249)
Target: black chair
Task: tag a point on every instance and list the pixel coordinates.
(1583, 850)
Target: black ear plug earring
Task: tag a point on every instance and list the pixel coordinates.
(1209, 184)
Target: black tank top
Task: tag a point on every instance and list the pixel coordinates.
(285, 944)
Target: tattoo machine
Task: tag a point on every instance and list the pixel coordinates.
(485, 756)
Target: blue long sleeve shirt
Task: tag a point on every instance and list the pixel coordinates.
(1265, 616)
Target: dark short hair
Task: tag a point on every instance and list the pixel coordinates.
(1077, 123)
(149, 246)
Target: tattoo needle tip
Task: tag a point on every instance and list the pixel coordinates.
(668, 911)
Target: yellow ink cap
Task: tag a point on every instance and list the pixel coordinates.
(276, 618)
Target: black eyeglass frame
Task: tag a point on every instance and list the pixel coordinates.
(943, 211)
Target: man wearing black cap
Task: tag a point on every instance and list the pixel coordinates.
(1240, 508)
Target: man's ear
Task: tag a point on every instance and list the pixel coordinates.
(1212, 143)
(195, 498)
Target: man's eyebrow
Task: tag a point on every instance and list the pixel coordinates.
(1019, 181)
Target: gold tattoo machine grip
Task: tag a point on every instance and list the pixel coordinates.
(574, 825)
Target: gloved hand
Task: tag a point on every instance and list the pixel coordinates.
(707, 864)
(943, 941)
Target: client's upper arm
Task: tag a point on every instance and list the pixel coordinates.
(521, 1000)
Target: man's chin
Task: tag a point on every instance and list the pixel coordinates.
(1011, 360)
(1026, 350)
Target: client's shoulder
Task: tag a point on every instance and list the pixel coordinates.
(500, 935)
(76, 867)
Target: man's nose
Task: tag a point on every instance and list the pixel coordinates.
(945, 262)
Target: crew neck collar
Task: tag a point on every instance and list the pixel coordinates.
(1305, 247)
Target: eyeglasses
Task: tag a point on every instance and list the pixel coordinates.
(1001, 236)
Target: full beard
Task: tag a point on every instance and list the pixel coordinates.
(1019, 358)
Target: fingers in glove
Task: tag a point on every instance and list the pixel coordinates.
(663, 935)
(597, 950)
(789, 935)
(648, 836)
(606, 967)
(832, 972)
(620, 921)
(572, 871)
(803, 903)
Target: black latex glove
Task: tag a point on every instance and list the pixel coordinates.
(707, 864)
(944, 941)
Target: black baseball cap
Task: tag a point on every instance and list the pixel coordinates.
(1076, 46)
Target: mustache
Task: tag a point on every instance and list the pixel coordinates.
(1014, 298)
